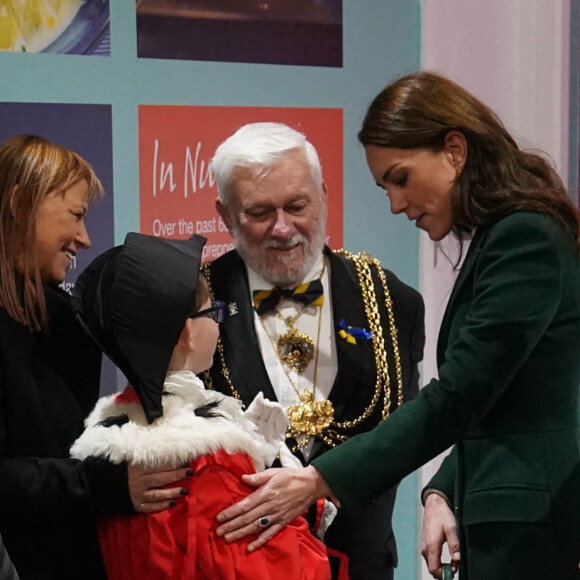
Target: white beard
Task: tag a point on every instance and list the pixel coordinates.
(286, 276)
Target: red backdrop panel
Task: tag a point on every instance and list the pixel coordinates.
(177, 188)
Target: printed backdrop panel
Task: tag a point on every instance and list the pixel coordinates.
(177, 186)
(294, 32)
(58, 27)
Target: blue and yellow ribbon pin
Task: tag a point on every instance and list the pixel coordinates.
(351, 333)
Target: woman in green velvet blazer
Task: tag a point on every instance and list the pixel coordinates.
(508, 351)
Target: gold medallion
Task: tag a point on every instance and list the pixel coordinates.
(295, 349)
(310, 417)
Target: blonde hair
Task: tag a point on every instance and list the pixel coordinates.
(31, 167)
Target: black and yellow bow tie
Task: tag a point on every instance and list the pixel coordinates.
(308, 293)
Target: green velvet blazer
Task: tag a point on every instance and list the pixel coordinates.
(507, 397)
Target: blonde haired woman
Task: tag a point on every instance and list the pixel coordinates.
(49, 373)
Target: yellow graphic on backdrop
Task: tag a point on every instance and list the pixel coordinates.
(31, 25)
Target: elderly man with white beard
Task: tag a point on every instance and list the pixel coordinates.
(332, 336)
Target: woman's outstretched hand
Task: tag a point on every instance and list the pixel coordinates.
(283, 495)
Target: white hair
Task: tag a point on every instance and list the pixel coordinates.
(260, 146)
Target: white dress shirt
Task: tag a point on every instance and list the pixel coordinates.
(285, 380)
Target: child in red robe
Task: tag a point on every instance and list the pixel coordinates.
(149, 309)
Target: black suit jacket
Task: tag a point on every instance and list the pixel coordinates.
(367, 538)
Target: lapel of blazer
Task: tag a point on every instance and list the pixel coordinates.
(347, 305)
(356, 372)
(238, 333)
(462, 278)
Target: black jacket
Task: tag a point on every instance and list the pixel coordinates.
(367, 538)
(49, 381)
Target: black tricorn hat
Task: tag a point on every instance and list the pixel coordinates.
(134, 300)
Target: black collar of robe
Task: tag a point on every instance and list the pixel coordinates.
(134, 300)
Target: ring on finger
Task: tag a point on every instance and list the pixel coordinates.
(263, 522)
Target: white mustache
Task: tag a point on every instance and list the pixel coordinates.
(295, 240)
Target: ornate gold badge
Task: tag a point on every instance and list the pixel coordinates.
(295, 349)
(310, 417)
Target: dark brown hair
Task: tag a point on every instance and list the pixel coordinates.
(31, 168)
(498, 178)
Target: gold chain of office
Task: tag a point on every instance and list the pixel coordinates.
(363, 263)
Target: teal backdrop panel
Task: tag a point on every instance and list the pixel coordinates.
(381, 40)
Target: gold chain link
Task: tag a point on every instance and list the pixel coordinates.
(363, 262)
(220, 346)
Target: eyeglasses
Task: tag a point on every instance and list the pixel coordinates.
(217, 312)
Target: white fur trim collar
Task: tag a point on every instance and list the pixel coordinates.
(177, 437)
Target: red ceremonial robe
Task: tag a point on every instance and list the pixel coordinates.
(180, 543)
